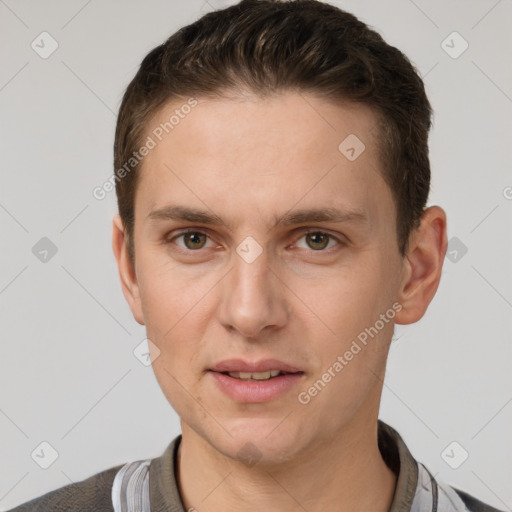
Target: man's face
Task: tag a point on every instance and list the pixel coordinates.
(229, 296)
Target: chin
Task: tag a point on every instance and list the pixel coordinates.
(259, 441)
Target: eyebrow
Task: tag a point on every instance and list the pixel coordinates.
(184, 213)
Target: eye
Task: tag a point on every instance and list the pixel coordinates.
(192, 240)
(318, 240)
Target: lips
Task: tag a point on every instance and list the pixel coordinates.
(255, 382)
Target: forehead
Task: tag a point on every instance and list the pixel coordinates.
(273, 152)
(310, 122)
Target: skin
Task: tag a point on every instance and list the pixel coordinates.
(303, 300)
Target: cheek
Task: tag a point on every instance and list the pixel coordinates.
(354, 350)
(346, 300)
(347, 323)
(175, 310)
(176, 318)
(172, 295)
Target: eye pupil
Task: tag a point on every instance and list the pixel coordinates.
(316, 239)
(195, 238)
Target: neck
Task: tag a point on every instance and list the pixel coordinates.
(346, 473)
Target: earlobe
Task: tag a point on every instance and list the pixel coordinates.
(423, 265)
(127, 273)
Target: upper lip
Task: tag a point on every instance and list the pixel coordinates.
(264, 365)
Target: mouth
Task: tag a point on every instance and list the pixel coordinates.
(262, 369)
(257, 376)
(255, 382)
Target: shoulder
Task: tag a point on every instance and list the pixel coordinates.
(416, 487)
(91, 494)
(472, 504)
(98, 492)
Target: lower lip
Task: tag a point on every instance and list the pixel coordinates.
(256, 391)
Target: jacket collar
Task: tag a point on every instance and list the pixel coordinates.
(399, 459)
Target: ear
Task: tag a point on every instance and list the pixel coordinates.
(127, 272)
(423, 264)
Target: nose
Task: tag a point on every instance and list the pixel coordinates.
(253, 298)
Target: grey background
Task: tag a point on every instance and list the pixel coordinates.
(68, 375)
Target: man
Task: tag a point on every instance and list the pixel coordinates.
(272, 174)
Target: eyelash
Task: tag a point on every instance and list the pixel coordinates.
(308, 232)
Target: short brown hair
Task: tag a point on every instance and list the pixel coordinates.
(268, 46)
